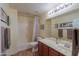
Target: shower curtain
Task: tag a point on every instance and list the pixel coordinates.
(35, 29)
(35, 33)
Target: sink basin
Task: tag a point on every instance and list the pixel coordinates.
(56, 43)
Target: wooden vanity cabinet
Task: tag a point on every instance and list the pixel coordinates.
(44, 50)
(40, 49)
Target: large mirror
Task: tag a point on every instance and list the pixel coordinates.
(52, 32)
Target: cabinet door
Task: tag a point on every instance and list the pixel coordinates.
(45, 50)
(40, 48)
(52, 52)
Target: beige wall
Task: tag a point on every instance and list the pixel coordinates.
(12, 13)
(25, 30)
(65, 17)
(48, 28)
(26, 24)
(14, 30)
(42, 21)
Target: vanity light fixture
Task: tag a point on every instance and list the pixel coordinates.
(50, 12)
(58, 8)
(61, 6)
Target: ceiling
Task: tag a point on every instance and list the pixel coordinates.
(34, 8)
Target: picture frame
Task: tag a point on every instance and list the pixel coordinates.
(4, 17)
(42, 26)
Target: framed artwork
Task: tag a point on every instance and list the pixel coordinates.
(42, 26)
(3, 16)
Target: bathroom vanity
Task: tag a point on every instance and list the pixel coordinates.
(61, 38)
(51, 47)
(45, 50)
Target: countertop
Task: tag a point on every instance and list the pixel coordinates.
(51, 42)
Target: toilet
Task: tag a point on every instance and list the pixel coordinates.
(34, 46)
